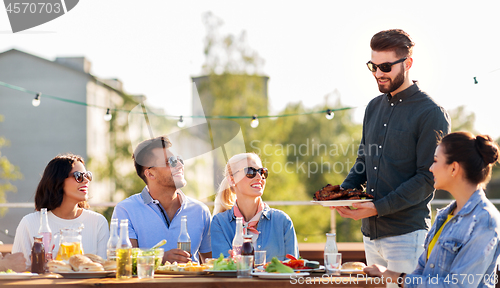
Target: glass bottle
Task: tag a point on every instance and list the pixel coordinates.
(184, 241)
(38, 256)
(124, 253)
(238, 236)
(247, 247)
(113, 240)
(331, 243)
(45, 231)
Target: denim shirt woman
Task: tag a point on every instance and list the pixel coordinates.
(461, 249)
(277, 235)
(239, 195)
(466, 252)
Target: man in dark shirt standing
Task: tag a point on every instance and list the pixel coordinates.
(394, 156)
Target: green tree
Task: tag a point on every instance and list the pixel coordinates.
(303, 153)
(8, 173)
(461, 120)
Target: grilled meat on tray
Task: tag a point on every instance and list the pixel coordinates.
(335, 192)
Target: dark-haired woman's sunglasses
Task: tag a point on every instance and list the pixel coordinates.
(384, 67)
(251, 172)
(79, 176)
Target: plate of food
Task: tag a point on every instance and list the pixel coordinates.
(83, 275)
(182, 269)
(277, 275)
(303, 265)
(9, 274)
(223, 267)
(336, 203)
(83, 266)
(334, 195)
(352, 268)
(222, 273)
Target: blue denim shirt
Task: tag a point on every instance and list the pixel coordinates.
(277, 235)
(467, 250)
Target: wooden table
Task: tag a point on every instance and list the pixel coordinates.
(199, 281)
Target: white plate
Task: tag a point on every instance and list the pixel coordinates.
(181, 272)
(5, 276)
(223, 273)
(351, 271)
(266, 275)
(96, 274)
(333, 203)
(320, 269)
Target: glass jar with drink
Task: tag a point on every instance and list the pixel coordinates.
(70, 243)
(38, 256)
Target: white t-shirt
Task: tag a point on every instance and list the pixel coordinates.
(95, 233)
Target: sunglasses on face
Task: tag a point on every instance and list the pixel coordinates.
(172, 161)
(251, 172)
(384, 67)
(80, 175)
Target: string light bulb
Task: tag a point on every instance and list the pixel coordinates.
(181, 122)
(475, 80)
(329, 114)
(36, 102)
(255, 122)
(108, 116)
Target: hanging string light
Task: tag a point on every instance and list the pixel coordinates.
(329, 114)
(181, 123)
(108, 116)
(255, 122)
(475, 80)
(36, 102)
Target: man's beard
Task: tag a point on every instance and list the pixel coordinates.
(393, 85)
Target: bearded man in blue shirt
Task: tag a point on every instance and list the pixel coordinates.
(394, 156)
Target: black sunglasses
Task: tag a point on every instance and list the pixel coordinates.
(172, 161)
(251, 172)
(384, 67)
(79, 176)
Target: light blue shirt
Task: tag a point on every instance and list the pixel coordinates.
(467, 250)
(277, 235)
(149, 225)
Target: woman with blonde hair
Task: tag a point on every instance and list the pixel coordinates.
(462, 247)
(239, 195)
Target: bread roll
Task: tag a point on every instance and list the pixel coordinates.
(76, 260)
(59, 266)
(94, 258)
(109, 265)
(91, 267)
(353, 266)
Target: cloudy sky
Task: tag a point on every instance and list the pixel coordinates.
(310, 48)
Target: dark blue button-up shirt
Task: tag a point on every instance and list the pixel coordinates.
(396, 150)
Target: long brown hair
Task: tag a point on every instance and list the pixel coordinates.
(50, 190)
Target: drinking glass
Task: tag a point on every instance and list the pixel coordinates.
(145, 266)
(260, 258)
(244, 266)
(158, 256)
(333, 262)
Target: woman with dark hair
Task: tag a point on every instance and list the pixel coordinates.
(63, 190)
(461, 249)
